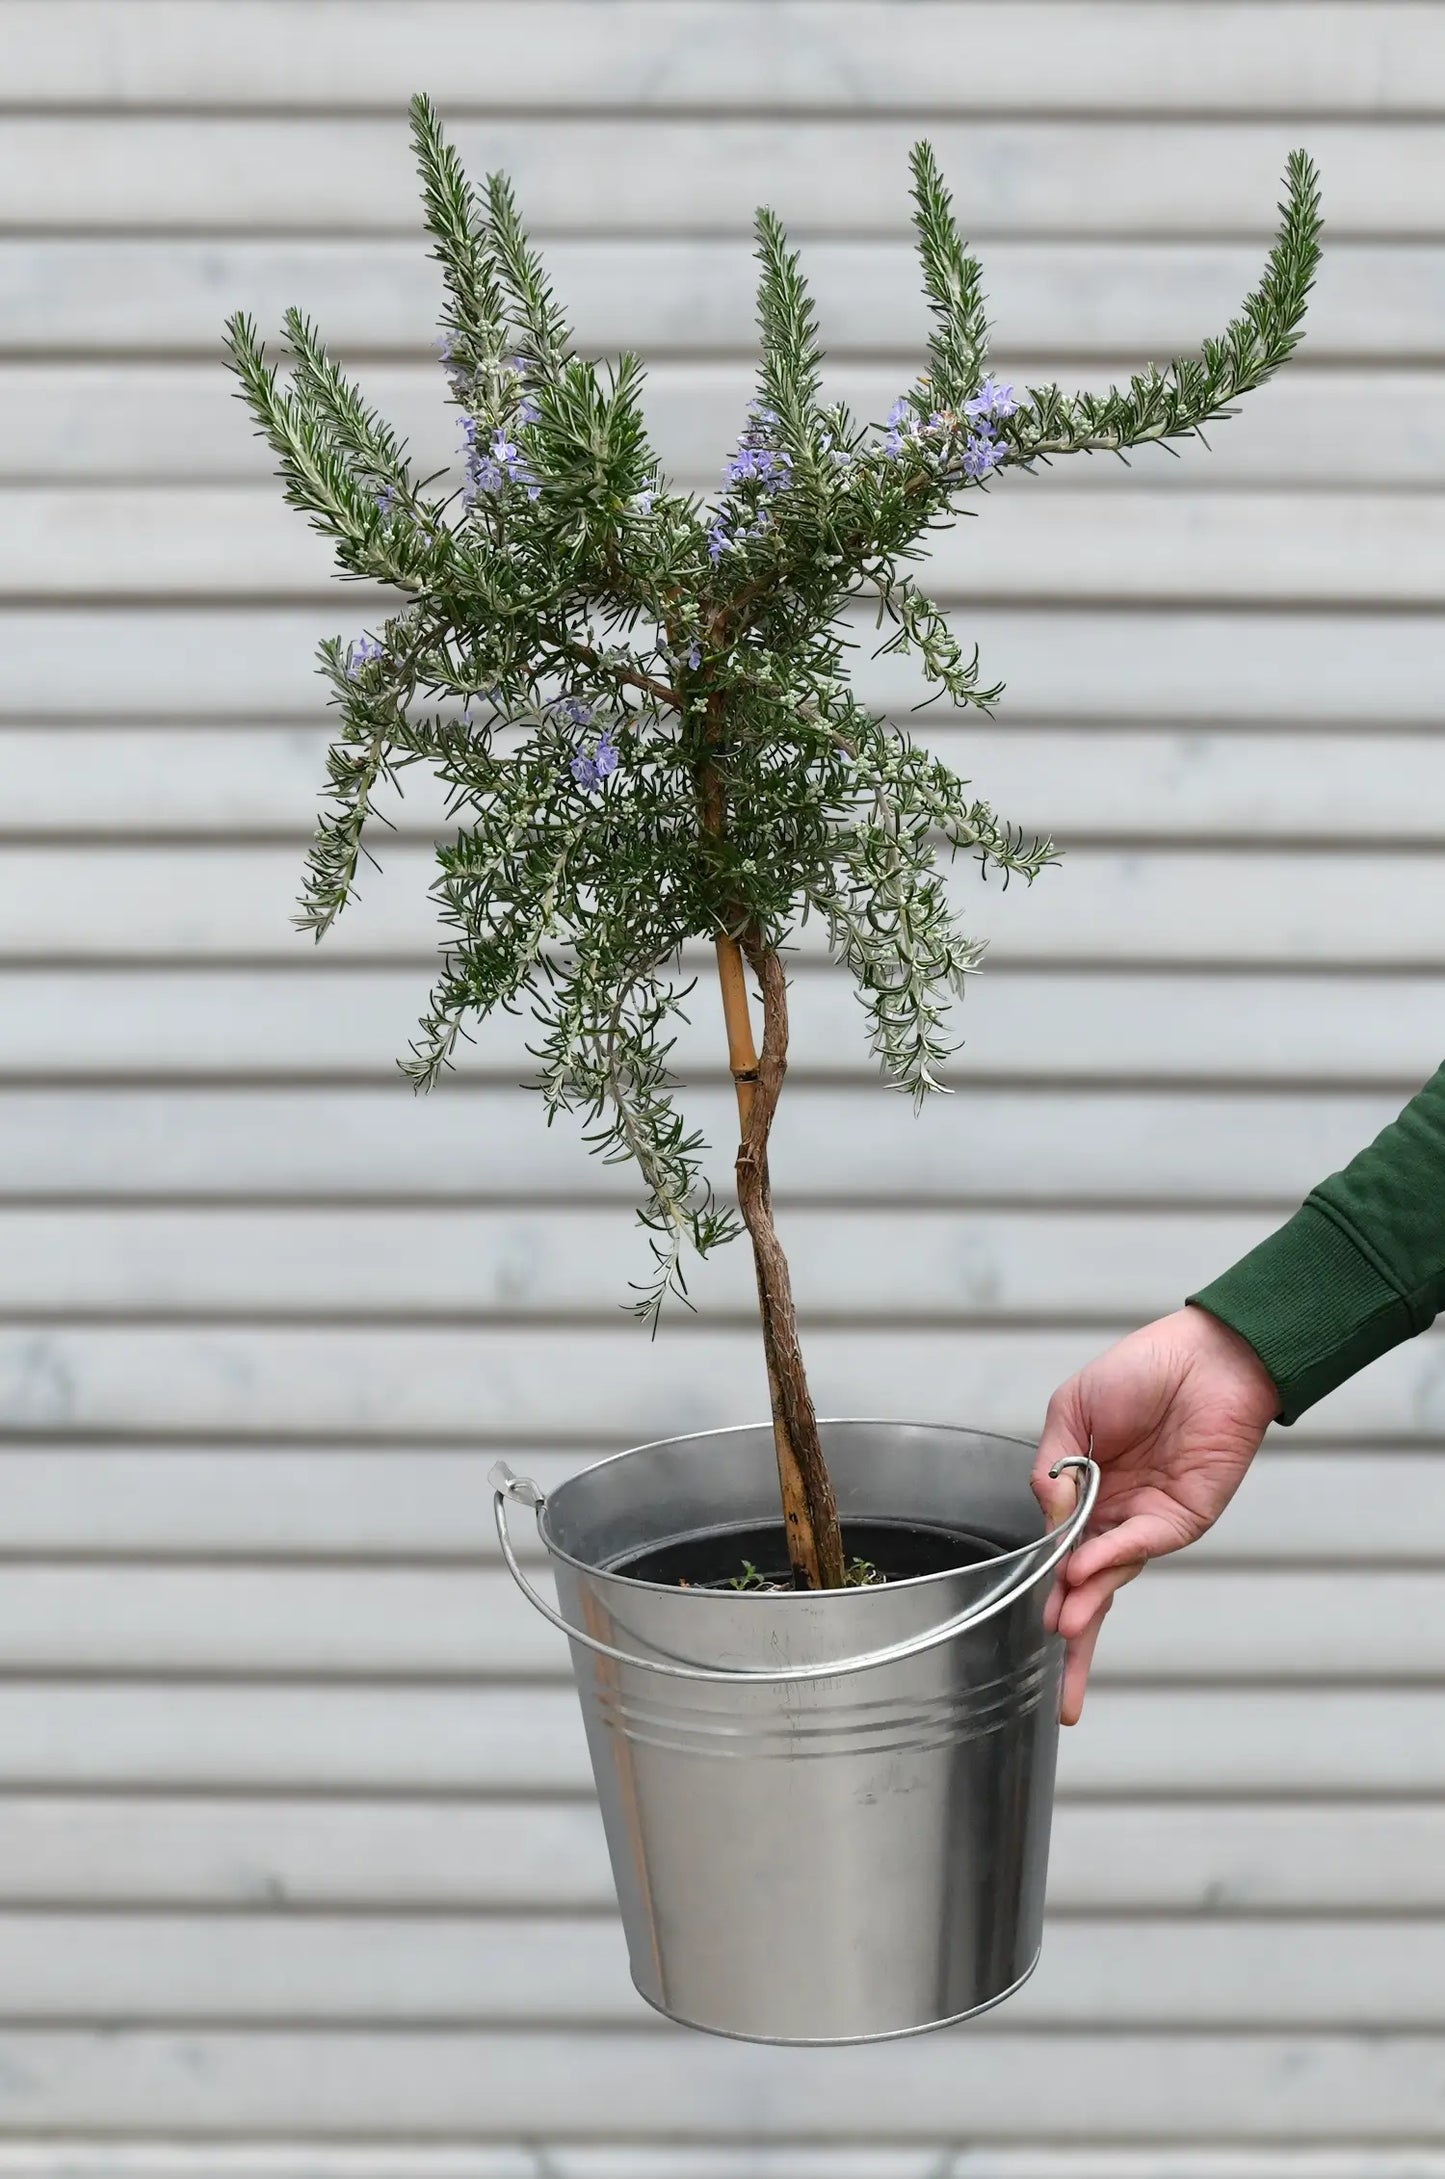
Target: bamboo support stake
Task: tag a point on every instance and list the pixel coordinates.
(737, 1014)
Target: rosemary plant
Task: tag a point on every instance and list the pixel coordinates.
(641, 704)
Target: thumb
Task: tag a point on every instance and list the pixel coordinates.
(1057, 1494)
(1065, 1437)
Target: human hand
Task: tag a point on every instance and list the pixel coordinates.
(1175, 1413)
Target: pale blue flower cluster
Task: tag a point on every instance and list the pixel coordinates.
(501, 462)
(756, 462)
(982, 452)
(768, 465)
(904, 425)
(364, 652)
(991, 400)
(591, 766)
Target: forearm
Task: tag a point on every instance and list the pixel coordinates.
(1359, 1268)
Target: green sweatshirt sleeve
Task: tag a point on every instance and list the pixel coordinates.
(1359, 1267)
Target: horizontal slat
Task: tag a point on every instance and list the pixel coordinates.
(822, 174)
(467, 1144)
(691, 297)
(396, 2084)
(1009, 2162)
(1119, 1027)
(130, 1969)
(62, 2156)
(1216, 548)
(67, 2158)
(566, 54)
(1108, 667)
(1003, 2162)
(654, 174)
(233, 901)
(510, 1382)
(280, 1502)
(179, 422)
(379, 1622)
(1073, 783)
(476, 1263)
(268, 1854)
(420, 1740)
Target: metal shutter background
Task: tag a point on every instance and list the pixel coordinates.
(298, 1874)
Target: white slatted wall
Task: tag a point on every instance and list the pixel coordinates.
(298, 1873)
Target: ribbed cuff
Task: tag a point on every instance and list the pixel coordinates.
(1314, 1305)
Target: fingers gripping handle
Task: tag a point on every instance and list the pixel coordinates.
(506, 1485)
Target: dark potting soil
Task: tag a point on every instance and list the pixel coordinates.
(722, 1558)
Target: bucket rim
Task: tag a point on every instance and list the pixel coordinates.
(831, 1597)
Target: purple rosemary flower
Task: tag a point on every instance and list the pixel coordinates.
(718, 540)
(503, 463)
(981, 454)
(756, 461)
(642, 502)
(694, 658)
(992, 399)
(761, 421)
(365, 652)
(386, 499)
(576, 712)
(902, 429)
(765, 465)
(591, 766)
(527, 410)
(483, 475)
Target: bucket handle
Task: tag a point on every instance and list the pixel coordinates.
(506, 1485)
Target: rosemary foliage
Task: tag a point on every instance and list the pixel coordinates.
(640, 705)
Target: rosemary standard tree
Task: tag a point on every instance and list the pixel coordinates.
(640, 705)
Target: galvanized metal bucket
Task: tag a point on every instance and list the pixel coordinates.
(828, 1814)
